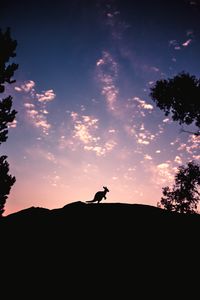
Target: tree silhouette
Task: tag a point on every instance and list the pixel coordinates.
(7, 115)
(6, 181)
(179, 97)
(185, 193)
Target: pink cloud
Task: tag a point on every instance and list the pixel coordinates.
(46, 96)
(37, 111)
(148, 157)
(28, 86)
(142, 104)
(187, 43)
(86, 135)
(178, 159)
(162, 174)
(29, 105)
(12, 124)
(107, 72)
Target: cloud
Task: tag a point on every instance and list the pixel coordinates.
(37, 118)
(151, 82)
(35, 105)
(29, 105)
(111, 130)
(112, 19)
(166, 120)
(41, 153)
(137, 107)
(107, 73)
(187, 43)
(141, 134)
(32, 113)
(196, 157)
(155, 69)
(142, 104)
(46, 96)
(28, 86)
(191, 147)
(141, 139)
(86, 134)
(178, 159)
(162, 174)
(148, 157)
(178, 45)
(175, 44)
(111, 93)
(42, 122)
(84, 126)
(102, 150)
(12, 124)
(134, 114)
(51, 157)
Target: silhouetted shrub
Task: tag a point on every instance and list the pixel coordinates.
(6, 182)
(185, 193)
(7, 115)
(179, 97)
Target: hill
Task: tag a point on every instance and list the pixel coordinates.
(104, 222)
(104, 247)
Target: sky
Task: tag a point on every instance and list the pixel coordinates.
(85, 116)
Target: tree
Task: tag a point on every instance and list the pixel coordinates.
(185, 194)
(179, 97)
(7, 50)
(7, 115)
(6, 181)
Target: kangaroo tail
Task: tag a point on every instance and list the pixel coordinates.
(90, 201)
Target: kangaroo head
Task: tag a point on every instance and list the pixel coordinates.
(106, 189)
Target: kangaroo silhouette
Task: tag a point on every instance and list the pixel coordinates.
(99, 195)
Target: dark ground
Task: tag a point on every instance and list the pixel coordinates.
(93, 246)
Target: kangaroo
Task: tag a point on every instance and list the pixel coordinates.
(99, 195)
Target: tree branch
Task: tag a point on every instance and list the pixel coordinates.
(197, 133)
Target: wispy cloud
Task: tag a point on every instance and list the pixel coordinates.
(107, 73)
(103, 149)
(46, 96)
(12, 124)
(86, 135)
(27, 86)
(135, 114)
(37, 117)
(112, 19)
(162, 173)
(178, 159)
(35, 105)
(187, 43)
(177, 45)
(148, 157)
(41, 153)
(142, 104)
(84, 128)
(166, 120)
(191, 147)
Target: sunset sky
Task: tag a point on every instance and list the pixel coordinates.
(85, 118)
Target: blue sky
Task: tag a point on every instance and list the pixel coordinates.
(85, 118)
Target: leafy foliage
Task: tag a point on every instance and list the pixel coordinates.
(180, 97)
(185, 194)
(7, 50)
(7, 115)
(6, 182)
